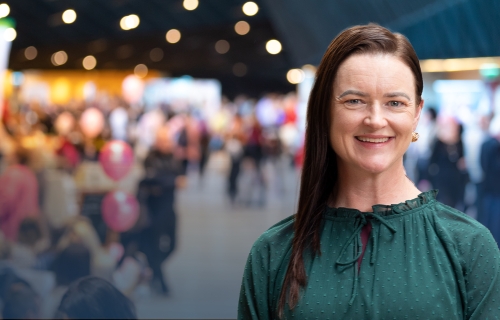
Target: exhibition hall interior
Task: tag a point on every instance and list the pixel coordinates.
(149, 143)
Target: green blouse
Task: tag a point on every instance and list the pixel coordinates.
(423, 260)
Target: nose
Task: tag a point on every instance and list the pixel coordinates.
(375, 117)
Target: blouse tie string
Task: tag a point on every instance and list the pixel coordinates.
(361, 221)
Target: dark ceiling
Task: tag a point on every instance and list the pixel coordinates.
(437, 29)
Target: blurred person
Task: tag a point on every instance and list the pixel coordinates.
(205, 138)
(188, 143)
(235, 139)
(21, 302)
(18, 193)
(145, 131)
(31, 241)
(95, 298)
(164, 174)
(365, 243)
(119, 122)
(428, 136)
(489, 200)
(60, 202)
(416, 158)
(18, 300)
(8, 278)
(80, 231)
(71, 264)
(447, 169)
(254, 151)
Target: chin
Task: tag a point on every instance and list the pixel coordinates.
(374, 167)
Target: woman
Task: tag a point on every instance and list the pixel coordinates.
(365, 242)
(489, 200)
(164, 174)
(447, 169)
(95, 298)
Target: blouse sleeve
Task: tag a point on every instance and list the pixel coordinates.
(482, 276)
(254, 295)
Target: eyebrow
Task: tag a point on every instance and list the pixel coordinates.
(354, 92)
(397, 94)
(363, 94)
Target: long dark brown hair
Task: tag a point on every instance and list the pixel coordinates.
(319, 173)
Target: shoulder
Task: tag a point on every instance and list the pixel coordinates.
(276, 240)
(462, 231)
(455, 221)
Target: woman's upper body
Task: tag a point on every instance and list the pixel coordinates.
(163, 169)
(422, 260)
(368, 259)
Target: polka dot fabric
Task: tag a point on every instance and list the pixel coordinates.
(423, 260)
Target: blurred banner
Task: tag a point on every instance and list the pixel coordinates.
(8, 32)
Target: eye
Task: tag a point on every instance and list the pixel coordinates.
(396, 104)
(353, 101)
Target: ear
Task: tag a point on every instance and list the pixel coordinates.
(418, 112)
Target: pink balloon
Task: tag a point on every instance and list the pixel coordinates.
(132, 88)
(120, 211)
(92, 122)
(116, 159)
(64, 123)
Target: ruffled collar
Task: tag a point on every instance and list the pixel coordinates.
(385, 210)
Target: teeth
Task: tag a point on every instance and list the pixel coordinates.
(372, 140)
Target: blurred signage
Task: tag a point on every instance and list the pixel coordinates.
(184, 94)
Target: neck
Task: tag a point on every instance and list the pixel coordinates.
(361, 190)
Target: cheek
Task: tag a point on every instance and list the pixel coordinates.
(340, 126)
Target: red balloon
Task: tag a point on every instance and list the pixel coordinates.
(116, 159)
(120, 211)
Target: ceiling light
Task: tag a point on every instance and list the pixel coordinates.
(250, 8)
(309, 68)
(9, 34)
(222, 46)
(451, 65)
(30, 53)
(173, 36)
(129, 22)
(273, 46)
(295, 76)
(242, 28)
(190, 4)
(4, 10)
(141, 70)
(239, 69)
(156, 54)
(59, 58)
(69, 16)
(89, 62)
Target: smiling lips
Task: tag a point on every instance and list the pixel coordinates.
(374, 140)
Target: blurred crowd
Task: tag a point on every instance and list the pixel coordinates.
(462, 161)
(55, 246)
(53, 181)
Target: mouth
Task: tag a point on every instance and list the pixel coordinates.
(374, 140)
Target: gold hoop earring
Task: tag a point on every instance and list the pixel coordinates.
(414, 136)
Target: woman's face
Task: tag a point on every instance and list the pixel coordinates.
(374, 112)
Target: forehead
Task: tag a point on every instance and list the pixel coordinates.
(375, 70)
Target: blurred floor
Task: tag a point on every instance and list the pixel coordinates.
(205, 272)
